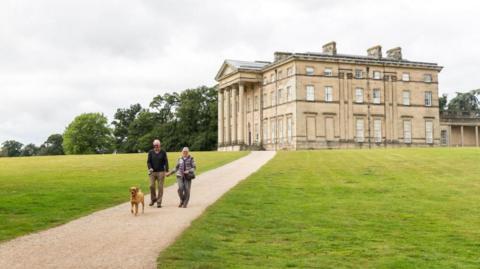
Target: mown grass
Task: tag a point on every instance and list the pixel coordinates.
(41, 192)
(395, 208)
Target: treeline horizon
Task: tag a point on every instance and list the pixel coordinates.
(178, 119)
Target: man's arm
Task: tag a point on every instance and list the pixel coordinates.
(166, 162)
(149, 160)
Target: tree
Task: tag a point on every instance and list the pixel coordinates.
(87, 134)
(11, 148)
(30, 150)
(442, 102)
(53, 145)
(466, 102)
(123, 119)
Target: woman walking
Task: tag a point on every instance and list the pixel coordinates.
(185, 170)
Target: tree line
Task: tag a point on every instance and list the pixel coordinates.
(187, 118)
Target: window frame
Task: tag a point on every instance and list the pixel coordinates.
(328, 94)
(359, 76)
(407, 139)
(357, 90)
(379, 98)
(408, 76)
(379, 75)
(403, 97)
(359, 138)
(377, 134)
(429, 76)
(429, 134)
(307, 70)
(328, 74)
(428, 101)
(307, 95)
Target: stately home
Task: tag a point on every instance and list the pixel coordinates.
(328, 100)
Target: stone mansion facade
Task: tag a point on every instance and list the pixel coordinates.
(328, 100)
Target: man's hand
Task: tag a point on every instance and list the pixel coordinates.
(150, 171)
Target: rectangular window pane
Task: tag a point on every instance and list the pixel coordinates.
(406, 98)
(289, 93)
(407, 131)
(376, 96)
(360, 131)
(428, 98)
(328, 72)
(289, 71)
(272, 129)
(264, 100)
(429, 132)
(444, 137)
(272, 99)
(377, 129)
(328, 94)
(265, 131)
(358, 73)
(279, 98)
(427, 78)
(310, 93)
(406, 77)
(289, 130)
(359, 95)
(376, 75)
(272, 77)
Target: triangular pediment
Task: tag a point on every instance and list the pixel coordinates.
(225, 69)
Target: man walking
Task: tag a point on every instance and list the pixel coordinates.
(157, 163)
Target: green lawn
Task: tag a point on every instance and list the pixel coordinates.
(395, 208)
(40, 192)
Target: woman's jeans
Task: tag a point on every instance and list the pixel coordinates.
(184, 189)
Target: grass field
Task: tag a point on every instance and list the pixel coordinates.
(40, 192)
(396, 208)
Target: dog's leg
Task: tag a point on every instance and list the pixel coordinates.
(143, 206)
(131, 207)
(136, 209)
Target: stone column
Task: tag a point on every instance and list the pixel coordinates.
(234, 118)
(476, 137)
(228, 137)
(461, 134)
(241, 103)
(449, 135)
(220, 117)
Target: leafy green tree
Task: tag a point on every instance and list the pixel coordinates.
(11, 148)
(52, 146)
(123, 119)
(442, 102)
(30, 150)
(87, 134)
(467, 102)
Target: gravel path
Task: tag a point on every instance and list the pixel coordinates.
(113, 238)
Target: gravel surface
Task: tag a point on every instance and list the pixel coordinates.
(113, 238)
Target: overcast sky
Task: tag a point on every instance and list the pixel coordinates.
(61, 58)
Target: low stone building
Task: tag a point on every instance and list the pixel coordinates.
(460, 129)
(328, 100)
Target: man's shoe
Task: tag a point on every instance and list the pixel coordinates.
(185, 206)
(159, 206)
(181, 204)
(151, 203)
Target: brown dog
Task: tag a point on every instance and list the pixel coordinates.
(136, 198)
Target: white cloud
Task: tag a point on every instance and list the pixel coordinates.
(62, 58)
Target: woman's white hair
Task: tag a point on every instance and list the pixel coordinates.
(185, 149)
(156, 142)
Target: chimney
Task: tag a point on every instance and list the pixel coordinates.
(279, 55)
(395, 53)
(375, 52)
(330, 48)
